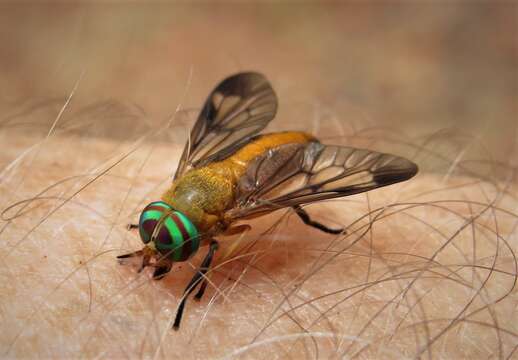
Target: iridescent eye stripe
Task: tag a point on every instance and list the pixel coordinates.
(148, 221)
(151, 214)
(157, 208)
(193, 236)
(177, 238)
(150, 217)
(158, 205)
(187, 243)
(146, 228)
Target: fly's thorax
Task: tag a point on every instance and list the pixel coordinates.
(168, 231)
(203, 195)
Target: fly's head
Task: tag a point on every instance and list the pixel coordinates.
(167, 232)
(168, 236)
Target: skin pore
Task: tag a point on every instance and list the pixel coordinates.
(95, 110)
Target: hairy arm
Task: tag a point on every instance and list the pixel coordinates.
(426, 268)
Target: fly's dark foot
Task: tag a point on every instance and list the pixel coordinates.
(200, 292)
(161, 271)
(131, 226)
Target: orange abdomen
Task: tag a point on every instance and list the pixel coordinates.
(240, 160)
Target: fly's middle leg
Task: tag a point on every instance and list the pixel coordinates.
(307, 220)
(213, 247)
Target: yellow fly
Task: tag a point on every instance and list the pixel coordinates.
(229, 172)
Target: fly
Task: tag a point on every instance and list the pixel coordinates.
(229, 172)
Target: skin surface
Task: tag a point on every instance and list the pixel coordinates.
(384, 291)
(427, 268)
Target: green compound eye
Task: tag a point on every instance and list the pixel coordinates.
(177, 238)
(150, 217)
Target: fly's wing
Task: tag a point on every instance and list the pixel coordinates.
(296, 174)
(238, 108)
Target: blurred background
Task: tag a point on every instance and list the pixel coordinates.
(416, 68)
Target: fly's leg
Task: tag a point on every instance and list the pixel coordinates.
(161, 270)
(197, 278)
(200, 292)
(130, 255)
(140, 253)
(233, 230)
(307, 220)
(146, 254)
(131, 226)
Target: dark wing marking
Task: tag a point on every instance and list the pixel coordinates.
(238, 108)
(296, 174)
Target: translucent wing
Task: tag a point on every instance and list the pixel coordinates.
(295, 174)
(238, 108)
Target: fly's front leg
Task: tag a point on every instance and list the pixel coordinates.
(130, 255)
(230, 230)
(161, 270)
(196, 279)
(307, 220)
(131, 227)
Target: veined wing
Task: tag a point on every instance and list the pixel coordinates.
(238, 108)
(296, 174)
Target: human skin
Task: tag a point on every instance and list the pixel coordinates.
(89, 101)
(426, 280)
